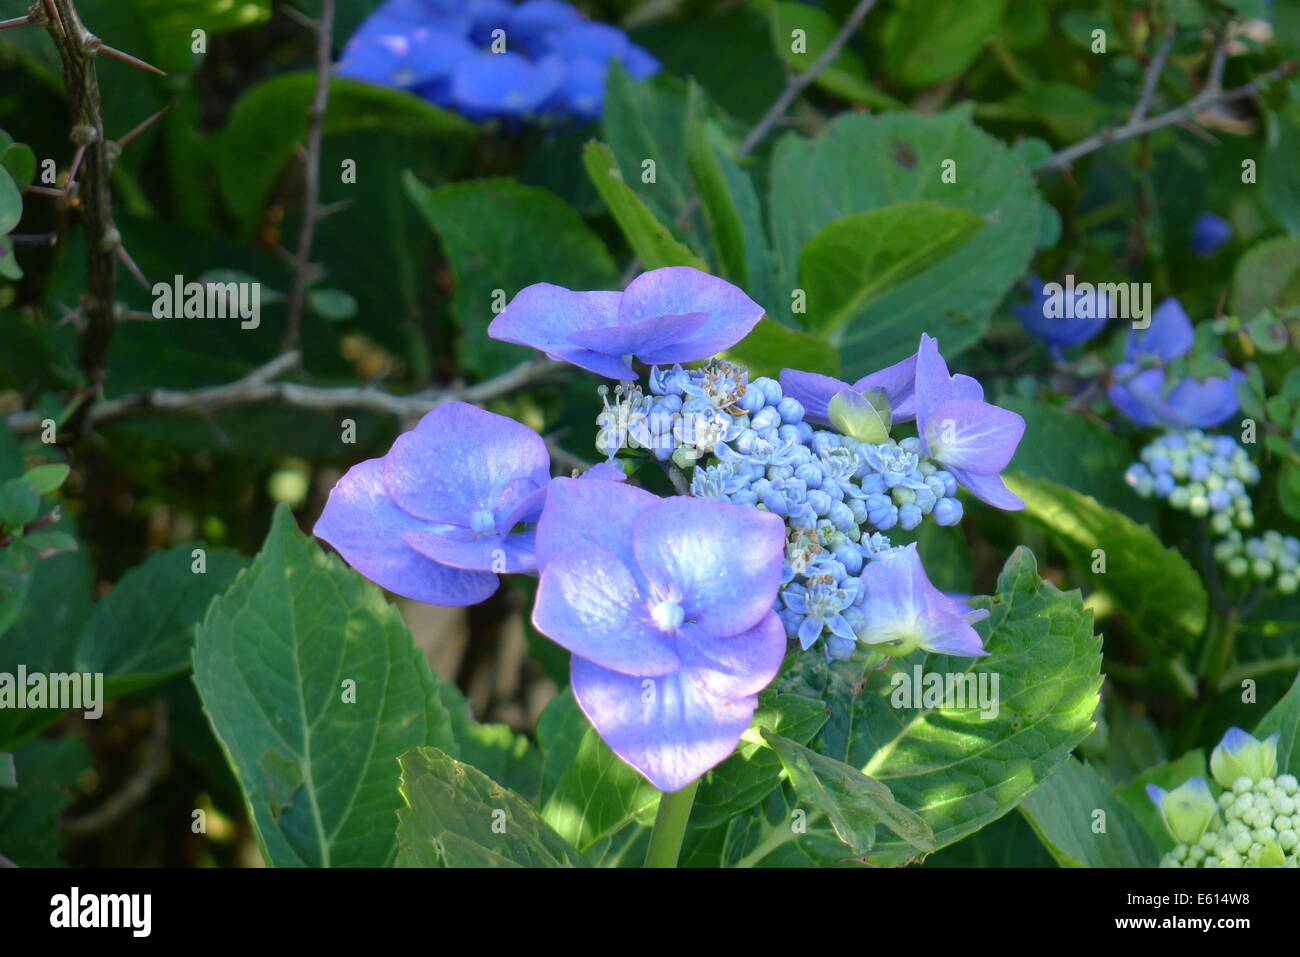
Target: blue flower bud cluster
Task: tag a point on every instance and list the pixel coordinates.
(748, 444)
(1202, 474)
(1259, 827)
(1270, 558)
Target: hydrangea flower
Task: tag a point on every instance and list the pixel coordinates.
(667, 608)
(1139, 388)
(814, 392)
(1210, 233)
(972, 439)
(1085, 319)
(673, 314)
(449, 51)
(903, 611)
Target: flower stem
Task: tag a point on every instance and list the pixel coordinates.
(670, 826)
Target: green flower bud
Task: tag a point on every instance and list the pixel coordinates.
(1187, 811)
(1242, 755)
(1268, 855)
(865, 416)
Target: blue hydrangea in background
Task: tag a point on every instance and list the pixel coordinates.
(1210, 233)
(490, 59)
(1087, 317)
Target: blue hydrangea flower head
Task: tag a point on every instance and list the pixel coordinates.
(670, 315)
(1139, 383)
(432, 519)
(504, 84)
(1210, 233)
(667, 608)
(1089, 315)
(814, 392)
(972, 439)
(903, 611)
(1241, 754)
(415, 58)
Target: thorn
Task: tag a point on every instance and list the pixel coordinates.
(142, 127)
(76, 165)
(127, 58)
(45, 191)
(15, 22)
(123, 255)
(333, 208)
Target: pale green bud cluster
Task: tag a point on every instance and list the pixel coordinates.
(1255, 822)
(1272, 558)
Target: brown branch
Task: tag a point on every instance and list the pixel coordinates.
(134, 790)
(77, 47)
(1211, 95)
(1154, 69)
(302, 273)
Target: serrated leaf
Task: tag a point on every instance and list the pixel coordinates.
(142, 631)
(749, 775)
(962, 767)
(720, 211)
(859, 163)
(270, 660)
(653, 242)
(456, 816)
(1064, 811)
(851, 262)
(501, 235)
(1153, 586)
(852, 801)
(1284, 720)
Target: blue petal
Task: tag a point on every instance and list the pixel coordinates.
(501, 554)
(738, 665)
(1169, 336)
(589, 602)
(669, 728)
(544, 315)
(590, 512)
(366, 528)
(679, 290)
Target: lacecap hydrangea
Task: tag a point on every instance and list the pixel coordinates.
(492, 59)
(677, 610)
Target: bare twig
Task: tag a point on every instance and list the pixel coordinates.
(302, 276)
(136, 788)
(803, 80)
(1154, 69)
(259, 386)
(1206, 98)
(15, 22)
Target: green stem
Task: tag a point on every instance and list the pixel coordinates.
(670, 826)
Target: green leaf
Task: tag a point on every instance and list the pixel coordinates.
(597, 796)
(1284, 721)
(15, 579)
(560, 731)
(272, 661)
(853, 802)
(500, 235)
(749, 775)
(456, 816)
(1153, 586)
(852, 261)
(1278, 172)
(9, 268)
(926, 41)
(845, 76)
(11, 203)
(720, 212)
(860, 163)
(1095, 465)
(494, 749)
(962, 767)
(651, 241)
(332, 305)
(771, 347)
(271, 118)
(46, 478)
(142, 631)
(1082, 822)
(1267, 276)
(20, 162)
(46, 770)
(19, 503)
